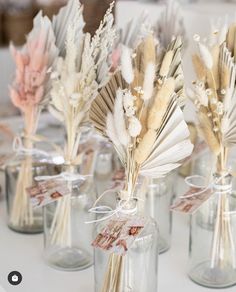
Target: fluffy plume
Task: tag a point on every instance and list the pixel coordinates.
(206, 56)
(126, 65)
(119, 119)
(30, 86)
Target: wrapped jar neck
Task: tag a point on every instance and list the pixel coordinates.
(69, 168)
(129, 206)
(222, 183)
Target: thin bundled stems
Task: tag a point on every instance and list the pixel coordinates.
(80, 71)
(29, 93)
(113, 275)
(144, 123)
(214, 97)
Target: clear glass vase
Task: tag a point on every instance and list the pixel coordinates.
(67, 237)
(212, 258)
(204, 164)
(136, 270)
(104, 167)
(19, 174)
(157, 205)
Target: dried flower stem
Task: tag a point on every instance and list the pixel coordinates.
(22, 211)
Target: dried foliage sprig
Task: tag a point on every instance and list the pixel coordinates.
(214, 95)
(146, 127)
(81, 70)
(30, 90)
(79, 75)
(30, 93)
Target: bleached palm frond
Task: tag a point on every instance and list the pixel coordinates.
(135, 31)
(71, 14)
(171, 146)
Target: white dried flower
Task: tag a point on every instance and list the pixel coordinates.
(213, 100)
(201, 95)
(138, 89)
(128, 102)
(126, 65)
(220, 108)
(209, 91)
(135, 127)
(196, 38)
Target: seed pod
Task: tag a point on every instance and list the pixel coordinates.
(160, 104)
(215, 52)
(166, 62)
(145, 146)
(224, 77)
(149, 51)
(199, 67)
(205, 128)
(230, 37)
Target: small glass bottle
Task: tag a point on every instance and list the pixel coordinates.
(67, 237)
(19, 175)
(212, 251)
(157, 205)
(136, 271)
(204, 166)
(104, 167)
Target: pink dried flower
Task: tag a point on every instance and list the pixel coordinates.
(32, 63)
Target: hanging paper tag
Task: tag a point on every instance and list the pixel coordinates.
(190, 203)
(198, 150)
(119, 234)
(89, 161)
(47, 191)
(118, 180)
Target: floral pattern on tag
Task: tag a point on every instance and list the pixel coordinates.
(190, 203)
(47, 191)
(119, 234)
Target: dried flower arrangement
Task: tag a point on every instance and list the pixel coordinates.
(165, 29)
(214, 97)
(138, 111)
(81, 70)
(30, 93)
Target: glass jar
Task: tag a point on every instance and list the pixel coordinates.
(212, 258)
(19, 174)
(104, 167)
(67, 237)
(157, 205)
(136, 270)
(204, 164)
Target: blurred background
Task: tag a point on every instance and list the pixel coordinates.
(16, 19)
